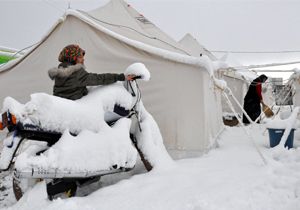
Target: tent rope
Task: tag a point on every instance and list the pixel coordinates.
(257, 52)
(238, 103)
(265, 65)
(228, 90)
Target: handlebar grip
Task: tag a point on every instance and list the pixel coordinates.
(137, 77)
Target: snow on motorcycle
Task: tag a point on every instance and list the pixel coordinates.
(71, 144)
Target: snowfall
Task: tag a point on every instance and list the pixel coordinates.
(241, 172)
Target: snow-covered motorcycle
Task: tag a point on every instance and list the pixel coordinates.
(71, 144)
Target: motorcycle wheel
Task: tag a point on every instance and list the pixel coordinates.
(20, 186)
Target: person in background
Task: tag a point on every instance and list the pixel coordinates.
(253, 99)
(71, 79)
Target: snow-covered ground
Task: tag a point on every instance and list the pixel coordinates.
(241, 173)
(232, 177)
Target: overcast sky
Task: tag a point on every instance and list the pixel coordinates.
(229, 25)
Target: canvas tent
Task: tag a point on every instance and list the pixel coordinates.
(115, 36)
(243, 75)
(237, 81)
(238, 84)
(193, 47)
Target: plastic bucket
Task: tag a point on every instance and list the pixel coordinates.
(275, 137)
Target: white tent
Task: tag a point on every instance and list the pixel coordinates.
(237, 81)
(181, 94)
(239, 78)
(194, 48)
(238, 84)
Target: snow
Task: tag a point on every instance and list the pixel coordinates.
(247, 74)
(58, 114)
(6, 191)
(222, 84)
(228, 116)
(151, 142)
(219, 64)
(13, 55)
(295, 75)
(88, 151)
(148, 136)
(230, 177)
(7, 153)
(290, 124)
(278, 123)
(138, 69)
(103, 146)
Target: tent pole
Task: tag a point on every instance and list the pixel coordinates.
(237, 102)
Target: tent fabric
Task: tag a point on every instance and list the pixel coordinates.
(120, 17)
(238, 87)
(235, 81)
(181, 95)
(193, 47)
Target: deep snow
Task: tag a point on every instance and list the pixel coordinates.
(231, 177)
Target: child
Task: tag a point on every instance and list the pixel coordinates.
(71, 79)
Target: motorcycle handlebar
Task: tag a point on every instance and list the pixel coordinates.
(137, 77)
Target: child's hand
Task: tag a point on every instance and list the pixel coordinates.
(130, 77)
